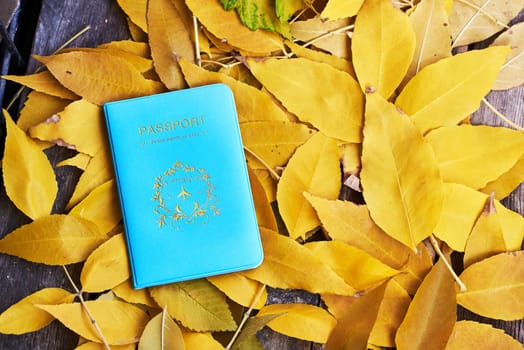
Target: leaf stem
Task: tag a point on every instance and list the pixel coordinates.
(245, 318)
(502, 116)
(435, 245)
(197, 43)
(327, 34)
(86, 309)
(272, 172)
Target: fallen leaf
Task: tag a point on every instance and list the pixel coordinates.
(512, 224)
(336, 9)
(295, 82)
(29, 178)
(287, 264)
(24, 317)
(322, 57)
(142, 64)
(247, 338)
(398, 166)
(507, 182)
(471, 335)
(38, 107)
(264, 211)
(302, 321)
(198, 341)
(495, 287)
(512, 71)
(136, 10)
(98, 346)
(119, 322)
(53, 240)
(286, 8)
(474, 155)
(197, 304)
(43, 82)
(418, 266)
(447, 91)
(80, 161)
(383, 44)
(351, 158)
(431, 315)
(161, 333)
(240, 289)
(133, 47)
(125, 291)
(315, 169)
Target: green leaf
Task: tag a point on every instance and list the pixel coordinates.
(286, 8)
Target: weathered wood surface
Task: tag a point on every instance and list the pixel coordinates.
(58, 21)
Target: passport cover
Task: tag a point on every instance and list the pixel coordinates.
(184, 189)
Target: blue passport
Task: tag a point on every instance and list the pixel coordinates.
(184, 189)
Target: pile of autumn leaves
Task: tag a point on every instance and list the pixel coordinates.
(392, 123)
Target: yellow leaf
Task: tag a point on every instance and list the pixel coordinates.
(247, 338)
(474, 155)
(137, 34)
(80, 161)
(383, 44)
(142, 64)
(338, 304)
(471, 335)
(101, 206)
(475, 20)
(360, 231)
(322, 57)
(129, 46)
(53, 240)
(120, 323)
(510, 74)
(252, 104)
(43, 82)
(136, 10)
(315, 169)
(391, 312)
(287, 264)
(418, 266)
(507, 182)
(197, 304)
(486, 238)
(29, 179)
(312, 90)
(353, 328)
(240, 289)
(359, 269)
(495, 287)
(226, 25)
(38, 107)
(302, 321)
(433, 40)
(80, 126)
(24, 317)
(268, 182)
(400, 178)
(432, 313)
(336, 9)
(107, 266)
(351, 158)
(98, 171)
(161, 333)
(99, 77)
(512, 224)
(98, 346)
(461, 208)
(199, 341)
(273, 141)
(126, 292)
(445, 92)
(169, 39)
(330, 36)
(264, 212)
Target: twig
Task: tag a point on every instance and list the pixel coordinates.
(434, 243)
(245, 318)
(84, 306)
(502, 116)
(271, 171)
(327, 34)
(197, 44)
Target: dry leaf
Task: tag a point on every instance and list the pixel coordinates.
(169, 39)
(471, 335)
(80, 126)
(53, 240)
(24, 317)
(418, 266)
(29, 179)
(38, 107)
(107, 266)
(125, 291)
(312, 90)
(80, 161)
(98, 77)
(286, 8)
(133, 47)
(445, 92)
(336, 9)
(136, 10)
(161, 333)
(43, 82)
(265, 216)
(287, 264)
(495, 287)
(315, 169)
(142, 64)
(475, 155)
(197, 304)
(360, 231)
(247, 338)
(302, 321)
(512, 224)
(359, 269)
(98, 346)
(119, 322)
(507, 182)
(322, 57)
(240, 289)
(432, 313)
(512, 71)
(330, 36)
(399, 167)
(383, 44)
(198, 341)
